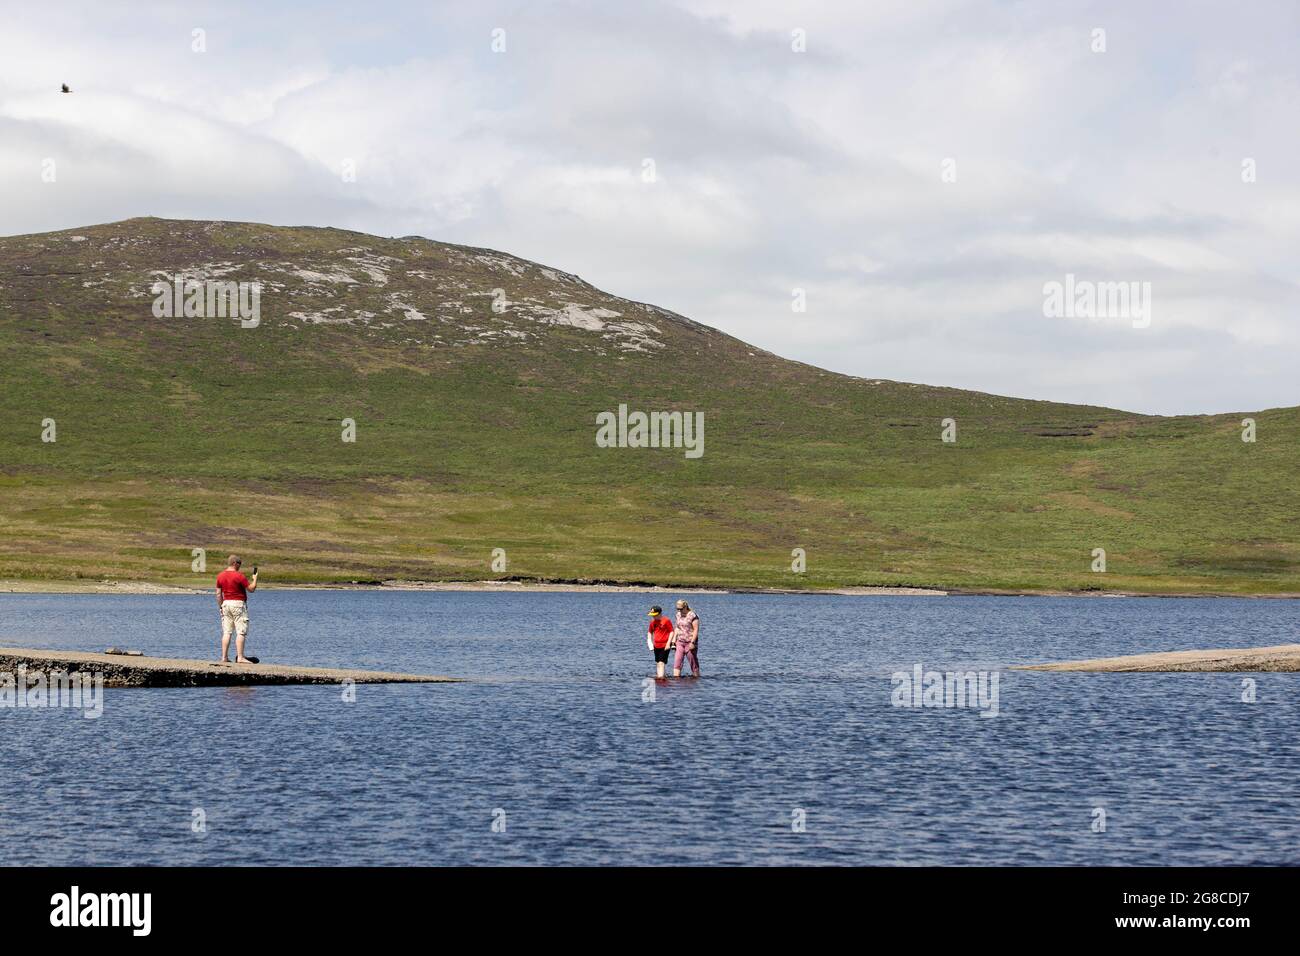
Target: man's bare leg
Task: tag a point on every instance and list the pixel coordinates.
(239, 649)
(225, 648)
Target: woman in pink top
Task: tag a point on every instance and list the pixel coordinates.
(686, 635)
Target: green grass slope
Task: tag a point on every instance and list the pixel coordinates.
(475, 430)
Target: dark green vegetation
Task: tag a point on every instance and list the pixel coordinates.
(475, 431)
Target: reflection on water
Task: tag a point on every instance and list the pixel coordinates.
(792, 722)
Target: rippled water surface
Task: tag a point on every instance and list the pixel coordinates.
(555, 735)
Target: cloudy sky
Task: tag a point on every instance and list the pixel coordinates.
(919, 169)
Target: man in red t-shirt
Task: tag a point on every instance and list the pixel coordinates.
(659, 638)
(232, 600)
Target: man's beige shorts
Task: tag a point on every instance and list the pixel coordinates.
(234, 616)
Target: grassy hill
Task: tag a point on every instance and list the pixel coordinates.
(475, 430)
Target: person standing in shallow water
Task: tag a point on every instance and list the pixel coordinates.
(659, 638)
(686, 635)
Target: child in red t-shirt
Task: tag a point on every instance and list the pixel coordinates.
(659, 638)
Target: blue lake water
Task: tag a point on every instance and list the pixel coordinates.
(556, 736)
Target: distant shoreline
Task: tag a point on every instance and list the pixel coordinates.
(17, 586)
(21, 586)
(1280, 657)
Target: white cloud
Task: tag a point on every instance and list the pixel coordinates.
(773, 169)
